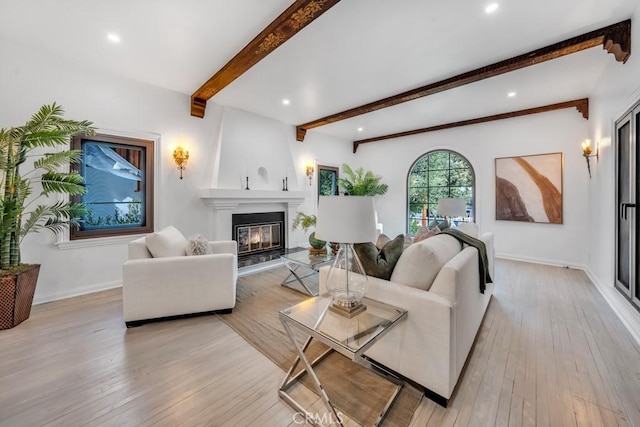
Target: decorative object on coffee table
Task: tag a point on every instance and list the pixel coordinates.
(45, 131)
(317, 246)
(346, 220)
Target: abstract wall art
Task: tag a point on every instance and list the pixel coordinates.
(529, 188)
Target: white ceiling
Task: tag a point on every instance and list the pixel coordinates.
(357, 52)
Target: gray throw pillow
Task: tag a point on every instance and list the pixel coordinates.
(198, 245)
(380, 262)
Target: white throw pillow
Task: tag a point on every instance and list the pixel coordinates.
(166, 243)
(198, 245)
(469, 228)
(421, 262)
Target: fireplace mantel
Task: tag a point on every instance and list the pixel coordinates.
(228, 197)
(226, 201)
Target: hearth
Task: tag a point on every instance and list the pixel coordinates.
(258, 232)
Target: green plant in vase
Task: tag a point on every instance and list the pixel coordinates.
(305, 222)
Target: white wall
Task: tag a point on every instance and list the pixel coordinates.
(559, 131)
(617, 89)
(30, 79)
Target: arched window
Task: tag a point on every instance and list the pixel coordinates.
(435, 175)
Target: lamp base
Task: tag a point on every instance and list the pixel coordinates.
(347, 309)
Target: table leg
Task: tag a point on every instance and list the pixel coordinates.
(293, 272)
(308, 367)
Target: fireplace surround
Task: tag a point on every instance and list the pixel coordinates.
(225, 203)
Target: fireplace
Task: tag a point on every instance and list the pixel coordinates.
(258, 232)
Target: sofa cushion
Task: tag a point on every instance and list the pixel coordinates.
(380, 262)
(166, 243)
(421, 262)
(198, 245)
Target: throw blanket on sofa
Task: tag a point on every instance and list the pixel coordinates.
(483, 260)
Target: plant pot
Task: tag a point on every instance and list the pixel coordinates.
(316, 243)
(16, 296)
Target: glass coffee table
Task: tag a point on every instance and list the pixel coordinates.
(302, 259)
(350, 337)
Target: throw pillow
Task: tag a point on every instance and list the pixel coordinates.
(468, 228)
(425, 233)
(380, 262)
(382, 240)
(408, 241)
(198, 245)
(166, 243)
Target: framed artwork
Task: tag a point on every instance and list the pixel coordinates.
(529, 188)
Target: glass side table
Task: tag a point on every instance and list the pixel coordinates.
(349, 337)
(293, 261)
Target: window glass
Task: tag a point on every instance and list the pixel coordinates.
(118, 174)
(435, 175)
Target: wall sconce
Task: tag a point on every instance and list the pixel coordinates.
(181, 157)
(586, 152)
(310, 170)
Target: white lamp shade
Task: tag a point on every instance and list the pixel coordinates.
(346, 219)
(452, 207)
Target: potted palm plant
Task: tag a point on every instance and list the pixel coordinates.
(29, 199)
(361, 183)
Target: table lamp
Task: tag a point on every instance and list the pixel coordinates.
(452, 208)
(346, 220)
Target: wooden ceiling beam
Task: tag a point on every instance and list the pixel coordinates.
(297, 16)
(615, 39)
(582, 105)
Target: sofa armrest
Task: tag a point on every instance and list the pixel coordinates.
(224, 247)
(459, 282)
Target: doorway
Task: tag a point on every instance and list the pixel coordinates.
(627, 164)
(328, 180)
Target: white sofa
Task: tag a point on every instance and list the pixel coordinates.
(438, 282)
(177, 285)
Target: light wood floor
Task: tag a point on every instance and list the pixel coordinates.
(550, 352)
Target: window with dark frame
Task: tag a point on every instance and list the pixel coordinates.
(118, 175)
(434, 175)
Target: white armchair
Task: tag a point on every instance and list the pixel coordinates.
(177, 285)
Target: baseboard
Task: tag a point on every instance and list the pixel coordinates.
(629, 316)
(41, 299)
(543, 261)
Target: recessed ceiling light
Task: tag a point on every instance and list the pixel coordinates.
(286, 102)
(511, 94)
(491, 8)
(114, 38)
(360, 129)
